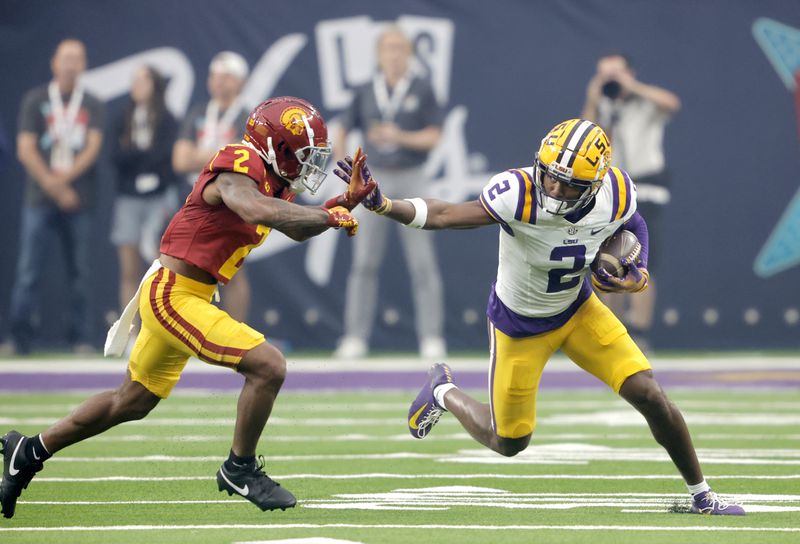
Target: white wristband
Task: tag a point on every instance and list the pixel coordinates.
(420, 213)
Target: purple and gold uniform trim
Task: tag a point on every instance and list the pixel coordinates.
(526, 203)
(495, 215)
(622, 190)
(514, 325)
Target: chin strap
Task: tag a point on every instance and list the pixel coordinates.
(272, 158)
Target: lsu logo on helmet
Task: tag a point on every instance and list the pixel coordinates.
(577, 153)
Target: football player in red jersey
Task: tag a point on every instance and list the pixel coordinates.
(242, 194)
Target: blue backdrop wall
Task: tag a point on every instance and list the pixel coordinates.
(507, 71)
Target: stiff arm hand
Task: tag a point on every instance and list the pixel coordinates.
(359, 185)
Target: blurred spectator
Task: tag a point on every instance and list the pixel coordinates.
(142, 141)
(634, 115)
(398, 113)
(206, 128)
(58, 142)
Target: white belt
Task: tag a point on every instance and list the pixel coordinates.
(120, 331)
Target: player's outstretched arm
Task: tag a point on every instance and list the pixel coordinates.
(239, 193)
(429, 214)
(432, 214)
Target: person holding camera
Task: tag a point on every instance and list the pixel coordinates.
(634, 115)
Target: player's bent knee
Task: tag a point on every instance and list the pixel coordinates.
(644, 392)
(133, 401)
(264, 362)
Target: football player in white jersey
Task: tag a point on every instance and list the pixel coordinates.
(552, 217)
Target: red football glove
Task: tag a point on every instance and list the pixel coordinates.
(339, 217)
(360, 183)
(635, 280)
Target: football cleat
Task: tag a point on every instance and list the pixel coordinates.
(18, 471)
(424, 411)
(253, 484)
(709, 503)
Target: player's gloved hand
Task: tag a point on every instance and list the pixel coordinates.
(359, 181)
(374, 201)
(635, 280)
(339, 218)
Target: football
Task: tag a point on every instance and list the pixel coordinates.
(621, 245)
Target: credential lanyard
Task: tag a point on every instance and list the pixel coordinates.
(214, 125)
(389, 104)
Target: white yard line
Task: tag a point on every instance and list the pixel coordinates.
(437, 476)
(394, 456)
(608, 419)
(478, 362)
(345, 402)
(272, 527)
(404, 437)
(211, 421)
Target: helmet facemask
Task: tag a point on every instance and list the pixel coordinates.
(313, 162)
(562, 206)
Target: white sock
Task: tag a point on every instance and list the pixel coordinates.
(439, 392)
(698, 488)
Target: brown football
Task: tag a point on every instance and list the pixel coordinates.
(621, 245)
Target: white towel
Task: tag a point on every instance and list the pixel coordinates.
(120, 331)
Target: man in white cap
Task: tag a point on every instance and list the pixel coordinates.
(206, 128)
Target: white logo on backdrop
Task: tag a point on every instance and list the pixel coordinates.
(346, 53)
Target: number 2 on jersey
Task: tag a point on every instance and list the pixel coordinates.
(556, 276)
(498, 189)
(244, 155)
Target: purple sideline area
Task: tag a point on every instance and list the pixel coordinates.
(398, 379)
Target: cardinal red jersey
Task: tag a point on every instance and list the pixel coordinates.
(213, 237)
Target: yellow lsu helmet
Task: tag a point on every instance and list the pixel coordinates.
(576, 153)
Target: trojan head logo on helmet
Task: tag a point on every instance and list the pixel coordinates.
(576, 153)
(290, 135)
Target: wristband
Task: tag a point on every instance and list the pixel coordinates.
(420, 213)
(384, 208)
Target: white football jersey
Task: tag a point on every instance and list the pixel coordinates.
(544, 258)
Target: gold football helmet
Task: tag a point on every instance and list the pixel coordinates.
(576, 153)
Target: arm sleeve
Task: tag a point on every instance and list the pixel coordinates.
(637, 225)
(27, 121)
(97, 111)
(186, 131)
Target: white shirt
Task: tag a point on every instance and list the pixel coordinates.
(635, 127)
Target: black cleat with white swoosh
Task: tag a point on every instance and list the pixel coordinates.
(18, 471)
(251, 483)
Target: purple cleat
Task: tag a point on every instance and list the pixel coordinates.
(424, 411)
(709, 503)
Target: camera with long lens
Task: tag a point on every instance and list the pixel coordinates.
(612, 89)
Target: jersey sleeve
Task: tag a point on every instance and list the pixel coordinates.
(509, 196)
(623, 195)
(240, 159)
